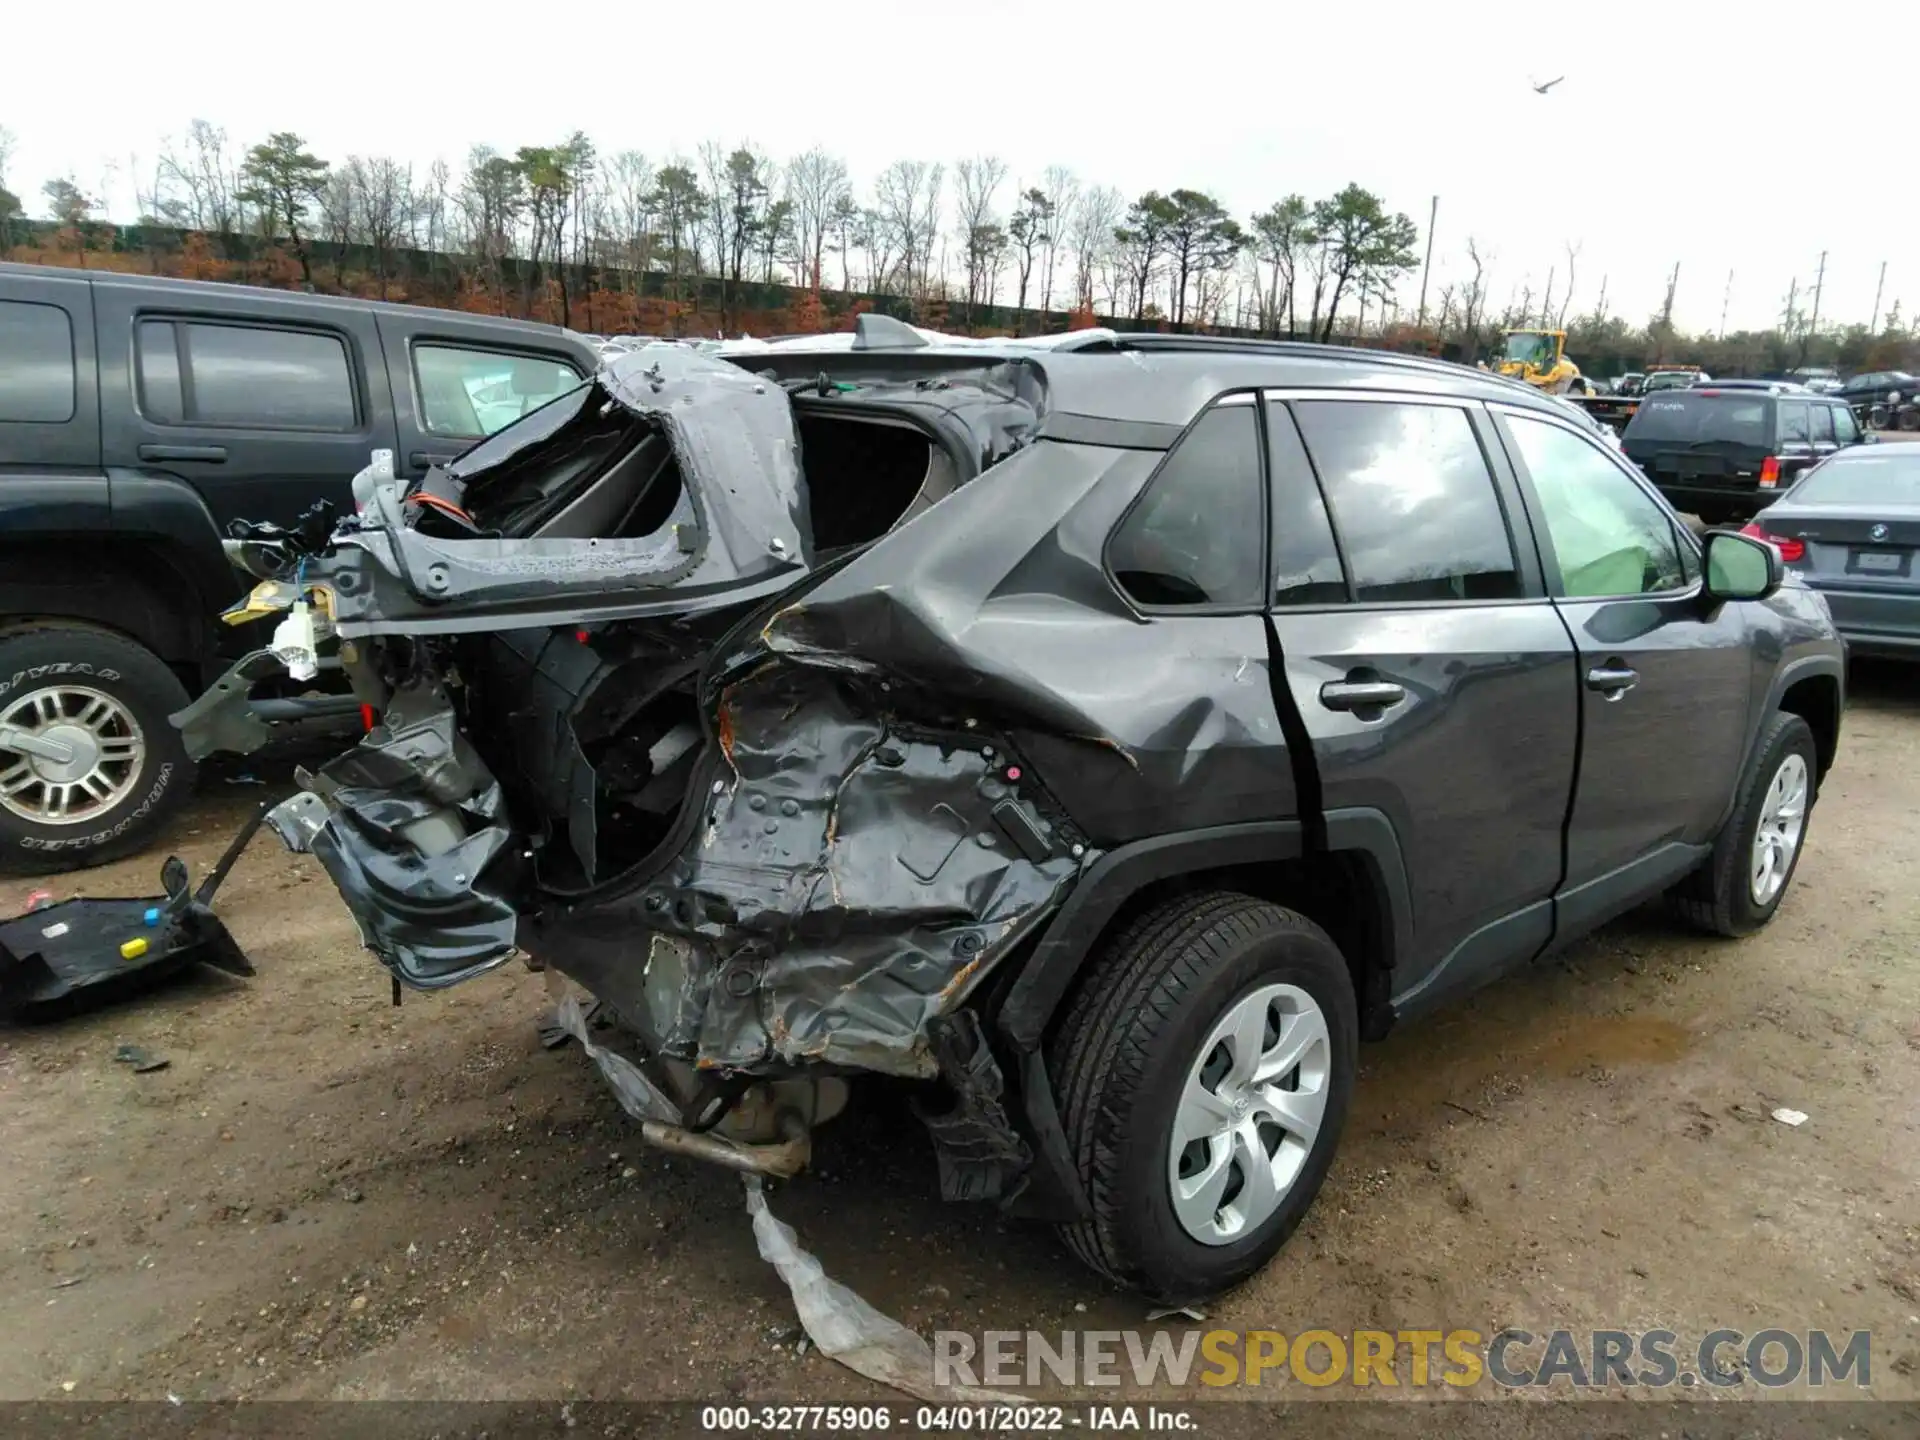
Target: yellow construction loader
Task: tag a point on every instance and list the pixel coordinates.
(1539, 357)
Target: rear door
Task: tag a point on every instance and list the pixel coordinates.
(264, 403)
(1436, 681)
(49, 413)
(1825, 440)
(1794, 445)
(1666, 677)
(456, 380)
(1846, 427)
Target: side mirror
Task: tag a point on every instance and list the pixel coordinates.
(1739, 567)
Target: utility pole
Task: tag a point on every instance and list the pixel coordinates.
(1873, 325)
(1819, 283)
(1725, 300)
(1433, 216)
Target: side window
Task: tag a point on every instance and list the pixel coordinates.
(1306, 564)
(244, 376)
(1845, 429)
(36, 364)
(1793, 422)
(1194, 537)
(470, 393)
(1412, 499)
(1822, 424)
(1609, 535)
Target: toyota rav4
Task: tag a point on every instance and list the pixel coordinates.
(1110, 733)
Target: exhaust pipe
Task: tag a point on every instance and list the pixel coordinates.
(781, 1161)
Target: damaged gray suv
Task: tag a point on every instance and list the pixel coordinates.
(1109, 733)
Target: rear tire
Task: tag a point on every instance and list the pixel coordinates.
(100, 701)
(1737, 891)
(1144, 1028)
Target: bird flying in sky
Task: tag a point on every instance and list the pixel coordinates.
(1542, 89)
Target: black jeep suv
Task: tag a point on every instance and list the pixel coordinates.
(1110, 733)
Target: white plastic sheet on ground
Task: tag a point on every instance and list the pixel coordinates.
(638, 1096)
(847, 1328)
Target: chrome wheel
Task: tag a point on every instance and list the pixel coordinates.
(68, 754)
(1783, 820)
(1253, 1102)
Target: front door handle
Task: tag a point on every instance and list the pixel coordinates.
(207, 454)
(1361, 694)
(426, 460)
(1613, 679)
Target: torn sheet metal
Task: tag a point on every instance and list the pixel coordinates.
(737, 527)
(416, 838)
(846, 1327)
(851, 877)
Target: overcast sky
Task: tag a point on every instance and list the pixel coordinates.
(1684, 133)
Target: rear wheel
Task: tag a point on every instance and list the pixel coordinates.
(1206, 1066)
(89, 765)
(1753, 860)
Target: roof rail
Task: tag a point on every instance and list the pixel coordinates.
(1154, 340)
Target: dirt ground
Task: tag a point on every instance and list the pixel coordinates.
(326, 1197)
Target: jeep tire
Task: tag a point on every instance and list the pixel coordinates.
(102, 768)
(1726, 896)
(1175, 1217)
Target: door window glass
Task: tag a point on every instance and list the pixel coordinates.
(1793, 423)
(1609, 535)
(1412, 499)
(245, 376)
(470, 393)
(1306, 565)
(1194, 537)
(1822, 424)
(1845, 429)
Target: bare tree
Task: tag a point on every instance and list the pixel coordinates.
(339, 219)
(383, 207)
(1566, 304)
(982, 240)
(1473, 299)
(203, 183)
(1089, 235)
(631, 211)
(907, 204)
(1062, 189)
(816, 188)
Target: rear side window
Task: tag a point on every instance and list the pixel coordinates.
(245, 376)
(1845, 428)
(470, 393)
(1194, 537)
(36, 364)
(1412, 500)
(1684, 418)
(1822, 423)
(1793, 422)
(1306, 564)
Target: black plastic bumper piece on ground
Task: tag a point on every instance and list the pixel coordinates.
(61, 959)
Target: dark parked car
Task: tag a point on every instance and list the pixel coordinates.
(1878, 396)
(1109, 736)
(1724, 451)
(1851, 529)
(138, 419)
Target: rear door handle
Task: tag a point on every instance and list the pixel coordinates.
(1613, 679)
(206, 454)
(426, 460)
(1361, 694)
